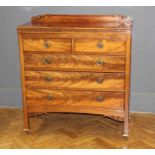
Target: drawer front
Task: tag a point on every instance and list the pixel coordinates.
(115, 47)
(75, 62)
(53, 45)
(76, 80)
(110, 100)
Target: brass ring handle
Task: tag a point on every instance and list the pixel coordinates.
(99, 98)
(49, 97)
(100, 45)
(47, 44)
(99, 62)
(47, 61)
(48, 78)
(99, 80)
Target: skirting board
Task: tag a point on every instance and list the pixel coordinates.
(140, 102)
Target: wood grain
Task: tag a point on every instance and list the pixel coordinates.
(75, 62)
(22, 74)
(78, 23)
(52, 45)
(106, 21)
(75, 80)
(127, 85)
(95, 35)
(110, 100)
(112, 46)
(75, 131)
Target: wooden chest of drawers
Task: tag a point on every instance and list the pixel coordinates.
(76, 63)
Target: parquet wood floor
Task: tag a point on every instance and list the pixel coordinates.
(63, 130)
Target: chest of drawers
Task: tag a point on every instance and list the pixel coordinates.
(76, 63)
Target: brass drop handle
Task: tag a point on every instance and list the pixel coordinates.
(47, 61)
(99, 98)
(49, 97)
(47, 44)
(99, 62)
(48, 78)
(100, 45)
(99, 80)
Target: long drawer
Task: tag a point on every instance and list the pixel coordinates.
(76, 80)
(109, 100)
(74, 62)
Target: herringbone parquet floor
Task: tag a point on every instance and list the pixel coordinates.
(61, 130)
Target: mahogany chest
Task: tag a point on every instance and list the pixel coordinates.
(76, 63)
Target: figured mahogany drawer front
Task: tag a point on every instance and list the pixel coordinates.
(77, 80)
(113, 47)
(111, 100)
(74, 62)
(53, 45)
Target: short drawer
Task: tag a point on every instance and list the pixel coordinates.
(51, 45)
(113, 47)
(75, 80)
(109, 100)
(74, 62)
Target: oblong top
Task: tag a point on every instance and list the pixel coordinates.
(104, 21)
